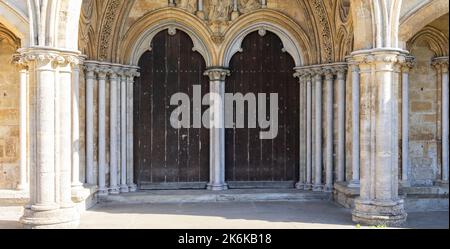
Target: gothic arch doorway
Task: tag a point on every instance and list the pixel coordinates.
(263, 66)
(165, 157)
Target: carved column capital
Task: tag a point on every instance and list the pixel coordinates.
(440, 63)
(217, 74)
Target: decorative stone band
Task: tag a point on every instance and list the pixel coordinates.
(111, 70)
(440, 63)
(44, 56)
(382, 58)
(328, 70)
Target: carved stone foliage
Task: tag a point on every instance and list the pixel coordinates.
(189, 5)
(325, 30)
(246, 6)
(219, 11)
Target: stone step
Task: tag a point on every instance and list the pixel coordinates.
(13, 198)
(199, 196)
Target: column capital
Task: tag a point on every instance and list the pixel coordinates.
(217, 73)
(440, 63)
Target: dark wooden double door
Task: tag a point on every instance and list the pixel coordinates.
(169, 158)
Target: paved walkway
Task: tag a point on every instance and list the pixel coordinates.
(243, 215)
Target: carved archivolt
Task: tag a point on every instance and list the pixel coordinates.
(107, 28)
(9, 37)
(325, 32)
(436, 40)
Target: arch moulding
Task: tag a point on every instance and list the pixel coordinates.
(295, 40)
(15, 21)
(421, 16)
(139, 37)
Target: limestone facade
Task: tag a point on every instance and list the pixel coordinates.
(373, 94)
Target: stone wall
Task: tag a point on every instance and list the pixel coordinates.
(9, 115)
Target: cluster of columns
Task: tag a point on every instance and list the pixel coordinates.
(48, 77)
(334, 75)
(441, 66)
(120, 79)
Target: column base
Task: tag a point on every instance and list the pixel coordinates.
(317, 188)
(115, 190)
(354, 184)
(132, 188)
(442, 183)
(217, 187)
(373, 213)
(303, 186)
(234, 15)
(62, 218)
(103, 192)
(328, 189)
(124, 189)
(78, 193)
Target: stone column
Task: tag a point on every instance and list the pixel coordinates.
(309, 184)
(379, 202)
(341, 123)
(441, 65)
(50, 199)
(445, 122)
(302, 134)
(354, 183)
(77, 185)
(23, 182)
(90, 74)
(102, 75)
(200, 10)
(406, 67)
(113, 136)
(318, 185)
(329, 76)
(263, 4)
(235, 13)
(131, 74)
(123, 133)
(217, 122)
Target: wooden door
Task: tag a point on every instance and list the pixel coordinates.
(263, 67)
(165, 157)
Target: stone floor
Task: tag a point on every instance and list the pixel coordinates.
(226, 215)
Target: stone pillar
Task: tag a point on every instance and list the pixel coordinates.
(379, 202)
(102, 71)
(309, 184)
(123, 133)
(77, 185)
(200, 10)
(263, 4)
(329, 76)
(90, 74)
(441, 65)
(113, 136)
(354, 183)
(301, 183)
(217, 122)
(50, 199)
(23, 182)
(341, 123)
(318, 185)
(131, 74)
(406, 67)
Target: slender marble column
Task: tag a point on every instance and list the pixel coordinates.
(302, 133)
(445, 122)
(90, 72)
(102, 75)
(379, 202)
(329, 75)
(264, 4)
(341, 123)
(76, 182)
(23, 183)
(217, 161)
(63, 130)
(441, 65)
(308, 133)
(354, 183)
(132, 73)
(113, 149)
(406, 67)
(123, 133)
(318, 185)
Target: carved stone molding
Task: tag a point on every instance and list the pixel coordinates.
(322, 16)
